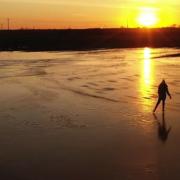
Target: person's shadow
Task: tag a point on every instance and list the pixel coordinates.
(163, 131)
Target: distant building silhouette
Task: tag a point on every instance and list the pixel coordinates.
(8, 24)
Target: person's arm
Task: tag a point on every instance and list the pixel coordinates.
(168, 93)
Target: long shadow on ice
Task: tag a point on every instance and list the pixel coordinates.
(163, 131)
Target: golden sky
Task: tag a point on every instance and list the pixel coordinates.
(85, 13)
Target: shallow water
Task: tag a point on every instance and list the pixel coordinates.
(91, 108)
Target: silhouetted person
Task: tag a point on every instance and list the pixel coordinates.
(162, 91)
(163, 132)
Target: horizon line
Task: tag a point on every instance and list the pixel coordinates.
(165, 27)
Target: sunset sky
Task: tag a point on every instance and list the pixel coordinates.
(87, 14)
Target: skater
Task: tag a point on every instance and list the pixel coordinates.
(162, 91)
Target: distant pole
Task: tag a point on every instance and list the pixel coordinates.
(127, 21)
(8, 23)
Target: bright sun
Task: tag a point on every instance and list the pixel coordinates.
(147, 19)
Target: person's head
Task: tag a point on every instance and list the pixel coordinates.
(163, 81)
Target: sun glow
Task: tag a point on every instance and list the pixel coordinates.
(147, 18)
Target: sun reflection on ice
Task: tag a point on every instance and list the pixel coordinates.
(147, 78)
(147, 66)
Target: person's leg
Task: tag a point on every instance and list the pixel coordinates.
(163, 105)
(157, 104)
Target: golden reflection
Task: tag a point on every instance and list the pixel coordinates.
(147, 78)
(147, 53)
(147, 66)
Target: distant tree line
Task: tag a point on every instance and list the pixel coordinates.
(86, 39)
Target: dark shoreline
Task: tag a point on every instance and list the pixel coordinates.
(87, 39)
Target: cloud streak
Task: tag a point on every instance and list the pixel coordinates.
(99, 3)
(81, 3)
